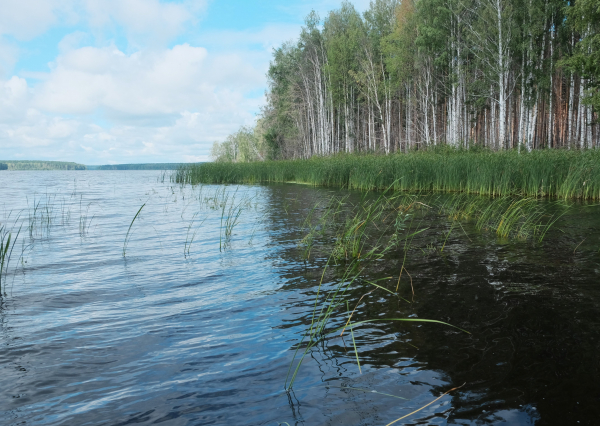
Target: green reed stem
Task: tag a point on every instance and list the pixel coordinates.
(129, 230)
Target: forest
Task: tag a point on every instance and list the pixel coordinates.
(40, 165)
(409, 75)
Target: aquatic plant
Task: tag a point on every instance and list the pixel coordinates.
(189, 239)
(129, 230)
(329, 303)
(542, 173)
(367, 229)
(41, 216)
(507, 216)
(65, 213)
(231, 210)
(7, 245)
(84, 220)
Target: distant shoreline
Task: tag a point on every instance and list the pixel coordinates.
(16, 165)
(40, 165)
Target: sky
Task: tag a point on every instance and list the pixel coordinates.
(136, 81)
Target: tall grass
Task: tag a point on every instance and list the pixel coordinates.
(231, 210)
(508, 216)
(366, 230)
(541, 173)
(7, 246)
(41, 216)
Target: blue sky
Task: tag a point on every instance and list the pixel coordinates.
(124, 81)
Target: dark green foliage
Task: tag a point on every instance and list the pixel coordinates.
(584, 17)
(3, 166)
(42, 165)
(408, 74)
(552, 173)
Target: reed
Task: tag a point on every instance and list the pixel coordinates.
(367, 229)
(190, 236)
(7, 245)
(508, 216)
(540, 173)
(126, 241)
(333, 303)
(231, 206)
(85, 222)
(41, 216)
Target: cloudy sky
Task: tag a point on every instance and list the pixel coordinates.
(128, 81)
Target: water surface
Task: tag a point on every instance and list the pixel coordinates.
(191, 328)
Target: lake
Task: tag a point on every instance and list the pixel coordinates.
(191, 314)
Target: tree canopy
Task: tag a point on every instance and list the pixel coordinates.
(412, 74)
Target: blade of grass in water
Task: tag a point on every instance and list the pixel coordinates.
(129, 230)
(353, 341)
(6, 250)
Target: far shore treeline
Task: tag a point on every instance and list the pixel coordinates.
(409, 74)
(61, 165)
(40, 165)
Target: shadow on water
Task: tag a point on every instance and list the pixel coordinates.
(532, 310)
(186, 334)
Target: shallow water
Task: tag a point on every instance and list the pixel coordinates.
(206, 335)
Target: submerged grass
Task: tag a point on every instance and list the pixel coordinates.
(541, 173)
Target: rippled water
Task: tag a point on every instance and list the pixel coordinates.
(203, 333)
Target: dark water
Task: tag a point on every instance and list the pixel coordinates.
(163, 336)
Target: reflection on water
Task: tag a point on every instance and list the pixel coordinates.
(180, 332)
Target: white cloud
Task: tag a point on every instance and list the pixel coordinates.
(143, 84)
(8, 56)
(148, 18)
(145, 102)
(26, 19)
(14, 98)
(101, 105)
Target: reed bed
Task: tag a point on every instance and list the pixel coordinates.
(541, 173)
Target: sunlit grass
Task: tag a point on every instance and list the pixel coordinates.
(541, 173)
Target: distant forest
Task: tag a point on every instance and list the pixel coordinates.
(408, 75)
(149, 166)
(40, 165)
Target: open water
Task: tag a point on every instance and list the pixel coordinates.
(190, 327)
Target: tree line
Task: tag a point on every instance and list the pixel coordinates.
(412, 74)
(39, 165)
